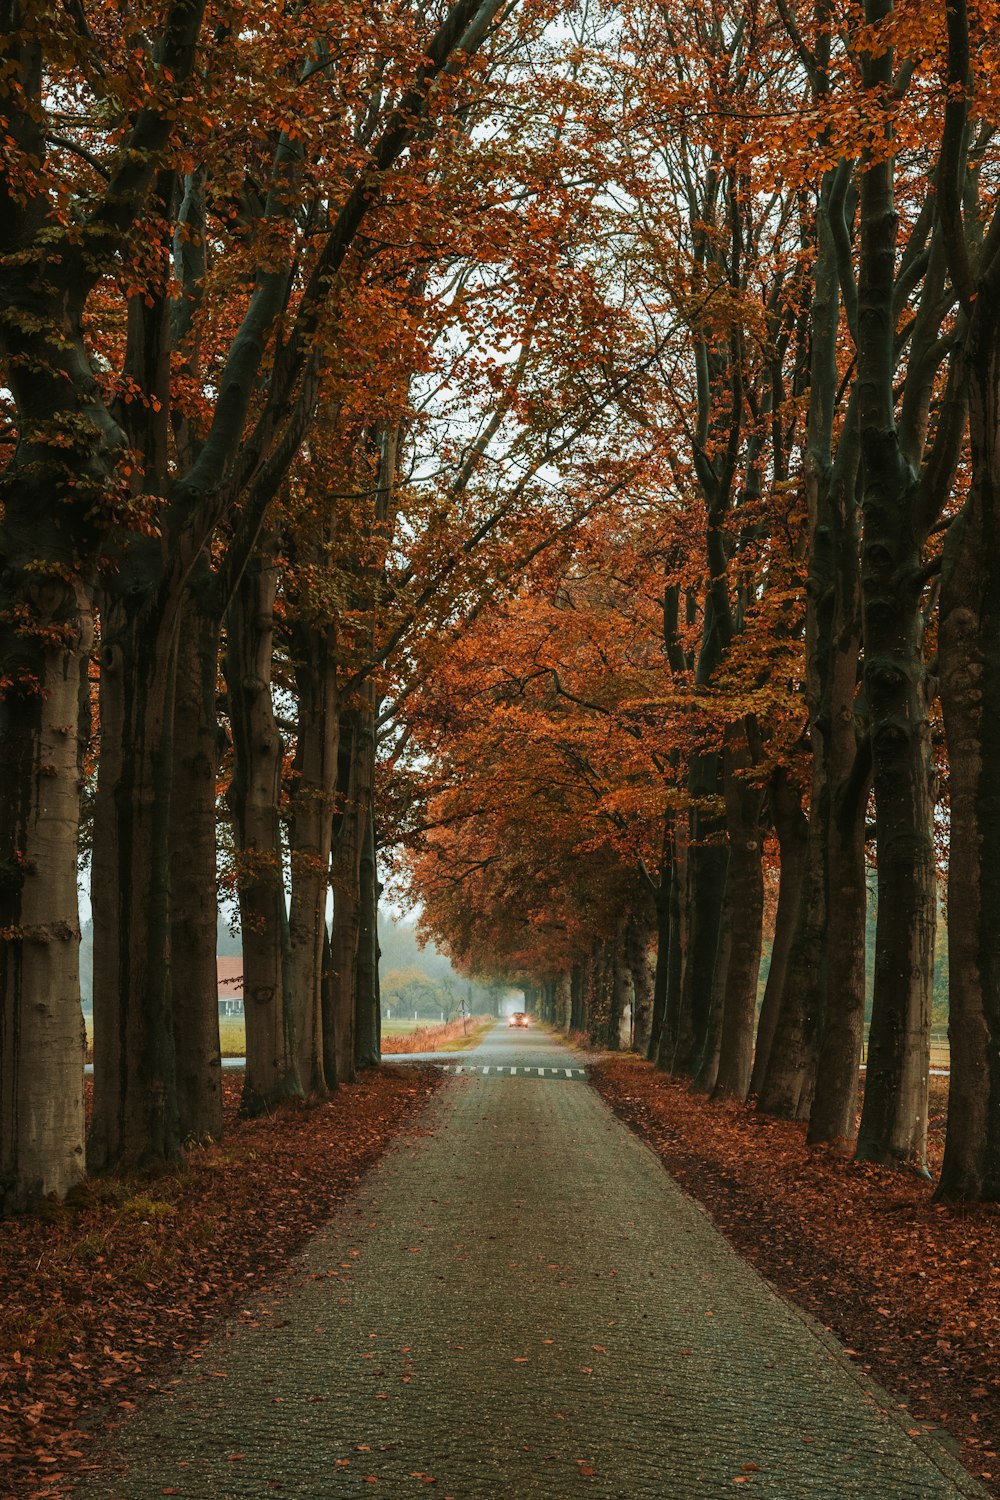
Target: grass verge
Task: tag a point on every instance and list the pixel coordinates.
(453, 1036)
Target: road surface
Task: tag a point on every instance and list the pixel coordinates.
(520, 1302)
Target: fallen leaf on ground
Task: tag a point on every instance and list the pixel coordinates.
(85, 1333)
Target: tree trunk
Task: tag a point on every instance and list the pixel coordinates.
(821, 996)
(676, 1024)
(328, 1003)
(659, 1004)
(598, 996)
(41, 1024)
(745, 879)
(707, 1070)
(894, 1116)
(55, 490)
(843, 759)
(193, 881)
(970, 695)
(792, 828)
(358, 761)
(271, 1071)
(345, 942)
(637, 957)
(345, 872)
(578, 999)
(368, 1038)
(564, 1001)
(707, 859)
(668, 1021)
(787, 1085)
(135, 1117)
(661, 898)
(834, 1107)
(618, 987)
(806, 994)
(314, 788)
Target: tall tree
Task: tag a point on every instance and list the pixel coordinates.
(96, 471)
(905, 484)
(970, 629)
(60, 491)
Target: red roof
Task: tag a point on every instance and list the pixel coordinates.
(229, 974)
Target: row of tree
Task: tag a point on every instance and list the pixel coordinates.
(555, 443)
(779, 667)
(287, 337)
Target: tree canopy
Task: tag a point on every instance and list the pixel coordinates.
(541, 457)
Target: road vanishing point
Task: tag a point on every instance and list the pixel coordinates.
(519, 1301)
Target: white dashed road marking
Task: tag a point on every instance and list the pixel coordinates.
(552, 1072)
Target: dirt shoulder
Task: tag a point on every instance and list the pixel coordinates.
(100, 1299)
(912, 1288)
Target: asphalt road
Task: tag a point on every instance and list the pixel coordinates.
(520, 1302)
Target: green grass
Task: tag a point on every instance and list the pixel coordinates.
(233, 1036)
(477, 1030)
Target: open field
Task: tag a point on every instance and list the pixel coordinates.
(419, 1036)
(233, 1036)
(397, 1036)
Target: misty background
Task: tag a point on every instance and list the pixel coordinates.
(416, 983)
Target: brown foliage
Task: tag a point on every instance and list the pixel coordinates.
(912, 1287)
(97, 1297)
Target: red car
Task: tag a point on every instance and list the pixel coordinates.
(518, 1018)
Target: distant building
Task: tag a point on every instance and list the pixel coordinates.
(229, 975)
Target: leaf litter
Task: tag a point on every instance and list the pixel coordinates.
(102, 1297)
(843, 1239)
